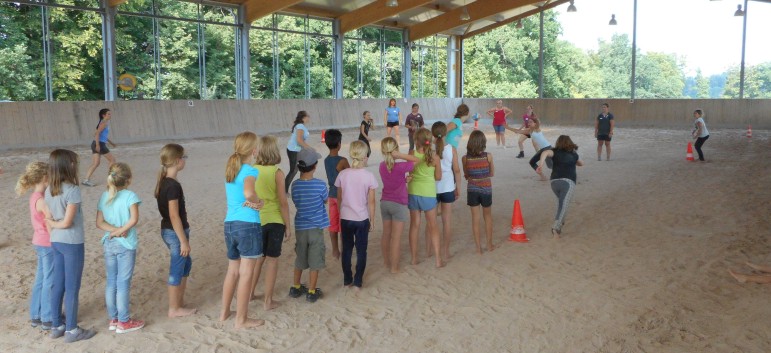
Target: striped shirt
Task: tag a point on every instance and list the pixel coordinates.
(309, 197)
(478, 174)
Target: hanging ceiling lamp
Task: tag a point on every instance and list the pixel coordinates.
(392, 3)
(613, 20)
(572, 7)
(464, 16)
(739, 12)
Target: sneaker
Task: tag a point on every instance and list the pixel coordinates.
(313, 297)
(129, 326)
(297, 292)
(35, 322)
(45, 325)
(88, 183)
(521, 154)
(113, 324)
(56, 332)
(78, 334)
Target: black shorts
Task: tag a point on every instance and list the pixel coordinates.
(527, 135)
(603, 138)
(102, 148)
(272, 238)
(392, 123)
(475, 199)
(446, 197)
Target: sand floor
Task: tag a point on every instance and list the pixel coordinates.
(641, 266)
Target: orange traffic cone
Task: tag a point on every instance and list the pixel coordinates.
(749, 131)
(689, 152)
(517, 225)
(323, 135)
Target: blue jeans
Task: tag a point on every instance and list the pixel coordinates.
(40, 303)
(354, 234)
(68, 271)
(179, 266)
(119, 263)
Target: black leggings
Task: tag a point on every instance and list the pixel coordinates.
(534, 161)
(700, 141)
(292, 169)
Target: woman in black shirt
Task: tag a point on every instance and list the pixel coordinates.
(563, 177)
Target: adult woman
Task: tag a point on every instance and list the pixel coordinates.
(296, 143)
(99, 145)
(392, 118)
(563, 177)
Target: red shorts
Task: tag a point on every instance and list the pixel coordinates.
(334, 215)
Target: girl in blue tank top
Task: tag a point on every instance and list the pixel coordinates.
(99, 145)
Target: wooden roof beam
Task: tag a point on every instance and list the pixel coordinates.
(478, 10)
(256, 9)
(375, 12)
(513, 19)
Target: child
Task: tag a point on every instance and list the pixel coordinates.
(243, 233)
(393, 201)
(539, 141)
(526, 118)
(413, 122)
(117, 214)
(448, 188)
(422, 194)
(700, 132)
(366, 124)
(309, 196)
(563, 177)
(603, 131)
(99, 144)
(356, 196)
(455, 127)
(35, 177)
(333, 165)
(175, 230)
(67, 242)
(478, 170)
(274, 214)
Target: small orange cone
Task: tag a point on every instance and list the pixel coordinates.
(689, 152)
(476, 124)
(517, 225)
(749, 131)
(323, 135)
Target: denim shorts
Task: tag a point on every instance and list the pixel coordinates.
(421, 203)
(243, 240)
(179, 267)
(499, 128)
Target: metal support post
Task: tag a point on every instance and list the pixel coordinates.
(337, 77)
(108, 52)
(407, 65)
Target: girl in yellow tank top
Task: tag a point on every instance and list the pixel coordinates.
(421, 191)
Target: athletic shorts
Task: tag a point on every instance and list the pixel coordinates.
(310, 249)
(393, 211)
(272, 238)
(102, 148)
(392, 123)
(527, 135)
(421, 203)
(334, 215)
(603, 138)
(499, 128)
(476, 198)
(446, 197)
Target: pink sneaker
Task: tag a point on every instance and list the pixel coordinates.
(113, 325)
(129, 326)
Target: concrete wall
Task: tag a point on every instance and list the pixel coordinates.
(53, 124)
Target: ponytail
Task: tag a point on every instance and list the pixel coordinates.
(388, 146)
(358, 152)
(462, 111)
(423, 140)
(243, 147)
(170, 155)
(439, 131)
(118, 179)
(35, 173)
(299, 118)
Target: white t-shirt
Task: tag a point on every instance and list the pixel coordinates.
(293, 145)
(447, 183)
(704, 131)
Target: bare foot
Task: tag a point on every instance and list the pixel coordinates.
(181, 312)
(555, 234)
(490, 247)
(357, 289)
(270, 305)
(395, 270)
(250, 323)
(479, 250)
(739, 277)
(336, 254)
(439, 264)
(256, 296)
(758, 268)
(224, 315)
(415, 261)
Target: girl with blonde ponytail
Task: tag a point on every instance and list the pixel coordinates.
(117, 214)
(393, 202)
(356, 197)
(175, 230)
(243, 233)
(422, 194)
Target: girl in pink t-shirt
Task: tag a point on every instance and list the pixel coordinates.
(356, 197)
(36, 177)
(393, 202)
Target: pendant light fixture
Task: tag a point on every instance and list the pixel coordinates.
(612, 20)
(572, 7)
(392, 3)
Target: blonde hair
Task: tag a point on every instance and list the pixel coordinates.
(387, 146)
(243, 146)
(35, 173)
(423, 140)
(170, 156)
(269, 153)
(358, 151)
(439, 130)
(62, 168)
(119, 178)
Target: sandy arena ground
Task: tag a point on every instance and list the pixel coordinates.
(641, 266)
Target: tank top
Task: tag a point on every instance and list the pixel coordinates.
(40, 236)
(105, 133)
(265, 186)
(526, 119)
(447, 183)
(422, 183)
(499, 117)
(478, 174)
(330, 165)
(539, 139)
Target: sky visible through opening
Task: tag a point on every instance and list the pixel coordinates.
(704, 33)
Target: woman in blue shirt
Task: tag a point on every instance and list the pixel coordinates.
(99, 145)
(392, 118)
